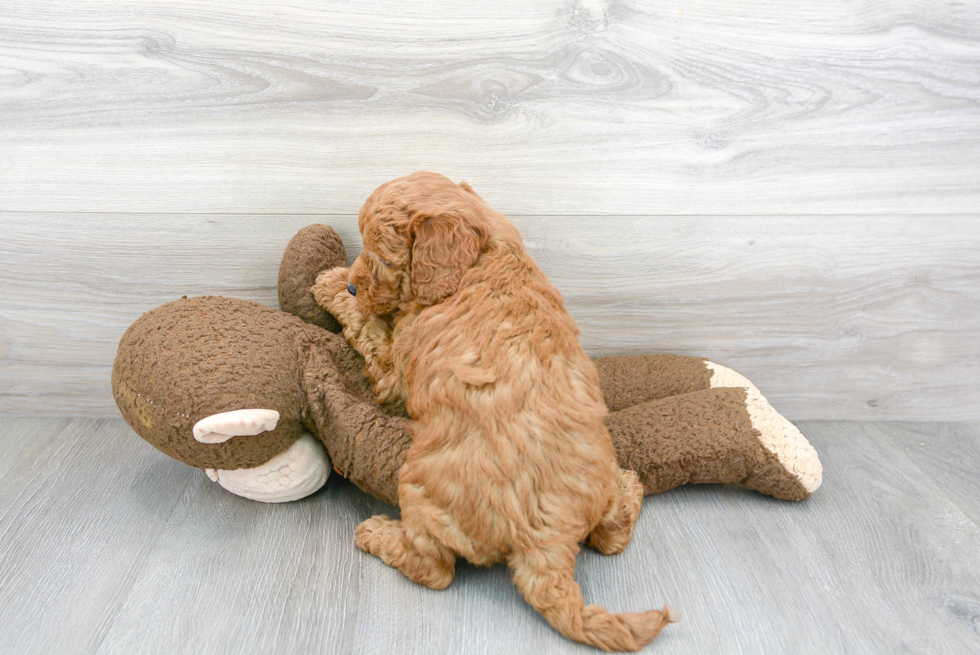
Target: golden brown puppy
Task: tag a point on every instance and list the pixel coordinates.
(510, 459)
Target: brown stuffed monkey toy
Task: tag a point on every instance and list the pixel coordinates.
(264, 401)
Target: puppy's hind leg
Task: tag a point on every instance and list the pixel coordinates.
(419, 555)
(615, 529)
(545, 577)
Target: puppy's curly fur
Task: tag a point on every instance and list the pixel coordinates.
(510, 459)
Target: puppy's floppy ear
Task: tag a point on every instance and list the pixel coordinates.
(444, 246)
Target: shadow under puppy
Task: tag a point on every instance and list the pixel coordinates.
(510, 460)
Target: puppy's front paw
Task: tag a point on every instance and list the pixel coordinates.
(330, 292)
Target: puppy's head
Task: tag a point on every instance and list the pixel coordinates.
(421, 234)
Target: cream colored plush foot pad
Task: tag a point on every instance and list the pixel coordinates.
(294, 473)
(778, 435)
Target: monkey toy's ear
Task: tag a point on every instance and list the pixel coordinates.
(314, 249)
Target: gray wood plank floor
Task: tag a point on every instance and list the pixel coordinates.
(107, 546)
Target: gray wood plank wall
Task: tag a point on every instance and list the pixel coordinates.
(787, 188)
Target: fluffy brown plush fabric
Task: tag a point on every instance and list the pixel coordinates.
(631, 380)
(719, 444)
(165, 379)
(196, 357)
(312, 248)
(178, 364)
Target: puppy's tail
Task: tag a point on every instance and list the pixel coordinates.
(546, 580)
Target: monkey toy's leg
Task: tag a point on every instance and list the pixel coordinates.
(677, 420)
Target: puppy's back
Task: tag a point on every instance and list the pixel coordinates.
(508, 407)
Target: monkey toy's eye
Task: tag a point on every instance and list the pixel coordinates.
(351, 289)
